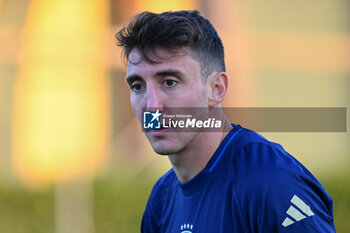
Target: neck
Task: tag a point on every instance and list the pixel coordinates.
(194, 158)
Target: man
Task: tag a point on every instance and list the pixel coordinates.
(233, 180)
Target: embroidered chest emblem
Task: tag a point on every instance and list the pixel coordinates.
(186, 228)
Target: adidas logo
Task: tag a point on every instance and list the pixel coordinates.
(302, 212)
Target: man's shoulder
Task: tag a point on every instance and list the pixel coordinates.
(162, 187)
(247, 136)
(252, 147)
(266, 175)
(263, 168)
(257, 163)
(166, 180)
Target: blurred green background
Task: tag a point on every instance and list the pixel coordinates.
(72, 155)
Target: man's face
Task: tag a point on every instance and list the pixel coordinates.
(172, 82)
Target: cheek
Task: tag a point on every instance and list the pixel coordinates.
(136, 106)
(193, 98)
(201, 96)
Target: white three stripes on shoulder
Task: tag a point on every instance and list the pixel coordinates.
(301, 205)
(295, 213)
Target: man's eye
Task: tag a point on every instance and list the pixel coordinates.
(170, 83)
(137, 87)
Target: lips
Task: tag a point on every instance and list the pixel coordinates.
(159, 132)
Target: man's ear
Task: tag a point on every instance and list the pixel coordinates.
(217, 85)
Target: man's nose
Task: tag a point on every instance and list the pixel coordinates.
(154, 100)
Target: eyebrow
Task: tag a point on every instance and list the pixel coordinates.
(170, 72)
(130, 79)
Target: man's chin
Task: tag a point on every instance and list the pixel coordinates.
(163, 151)
(165, 148)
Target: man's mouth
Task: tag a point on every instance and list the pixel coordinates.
(158, 132)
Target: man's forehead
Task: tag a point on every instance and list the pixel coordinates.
(180, 61)
(157, 55)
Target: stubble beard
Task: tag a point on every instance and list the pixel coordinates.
(177, 145)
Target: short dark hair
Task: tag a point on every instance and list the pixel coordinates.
(174, 30)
